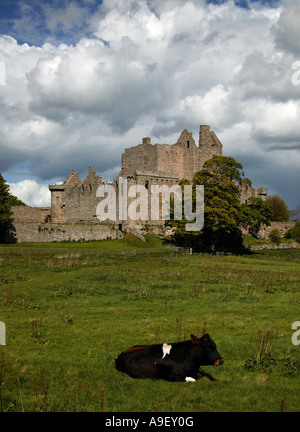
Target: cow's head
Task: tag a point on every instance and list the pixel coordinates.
(207, 350)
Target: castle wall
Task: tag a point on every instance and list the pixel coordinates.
(75, 201)
(248, 192)
(181, 159)
(209, 145)
(26, 214)
(40, 233)
(143, 157)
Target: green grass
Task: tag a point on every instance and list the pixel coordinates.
(69, 315)
(132, 242)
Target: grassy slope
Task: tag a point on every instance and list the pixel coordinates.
(67, 317)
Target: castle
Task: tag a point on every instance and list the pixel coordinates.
(73, 204)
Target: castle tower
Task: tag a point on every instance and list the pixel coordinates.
(209, 144)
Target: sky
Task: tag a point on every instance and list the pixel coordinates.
(81, 80)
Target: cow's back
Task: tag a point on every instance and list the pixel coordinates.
(140, 361)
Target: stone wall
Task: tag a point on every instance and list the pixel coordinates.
(272, 246)
(74, 200)
(248, 191)
(283, 227)
(181, 159)
(209, 145)
(41, 232)
(31, 214)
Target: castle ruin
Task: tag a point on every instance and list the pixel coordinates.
(74, 203)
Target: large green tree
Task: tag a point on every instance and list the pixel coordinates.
(224, 215)
(220, 177)
(6, 202)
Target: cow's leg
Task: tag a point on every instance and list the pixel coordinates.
(171, 371)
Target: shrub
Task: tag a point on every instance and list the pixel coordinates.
(266, 359)
(275, 236)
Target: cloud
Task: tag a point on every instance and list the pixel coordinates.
(31, 193)
(287, 30)
(148, 68)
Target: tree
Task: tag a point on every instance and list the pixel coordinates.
(281, 212)
(5, 209)
(6, 202)
(224, 215)
(220, 177)
(254, 214)
(275, 236)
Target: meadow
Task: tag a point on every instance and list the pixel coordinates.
(69, 312)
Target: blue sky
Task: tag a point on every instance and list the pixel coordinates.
(26, 20)
(87, 79)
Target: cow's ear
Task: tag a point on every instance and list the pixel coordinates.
(206, 337)
(194, 339)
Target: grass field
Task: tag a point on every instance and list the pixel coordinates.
(68, 315)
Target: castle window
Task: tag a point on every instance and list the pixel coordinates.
(188, 144)
(146, 184)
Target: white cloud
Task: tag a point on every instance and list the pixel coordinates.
(287, 30)
(31, 193)
(151, 68)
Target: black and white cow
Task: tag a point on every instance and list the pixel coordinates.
(173, 362)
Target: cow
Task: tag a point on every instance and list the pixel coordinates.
(178, 361)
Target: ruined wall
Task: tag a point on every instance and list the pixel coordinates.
(248, 191)
(209, 145)
(28, 214)
(181, 159)
(283, 227)
(143, 157)
(38, 232)
(75, 201)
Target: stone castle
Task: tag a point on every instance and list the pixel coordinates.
(72, 215)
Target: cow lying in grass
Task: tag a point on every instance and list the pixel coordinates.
(173, 362)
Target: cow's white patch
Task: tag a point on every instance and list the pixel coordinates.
(189, 379)
(166, 349)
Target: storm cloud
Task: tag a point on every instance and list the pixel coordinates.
(100, 76)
